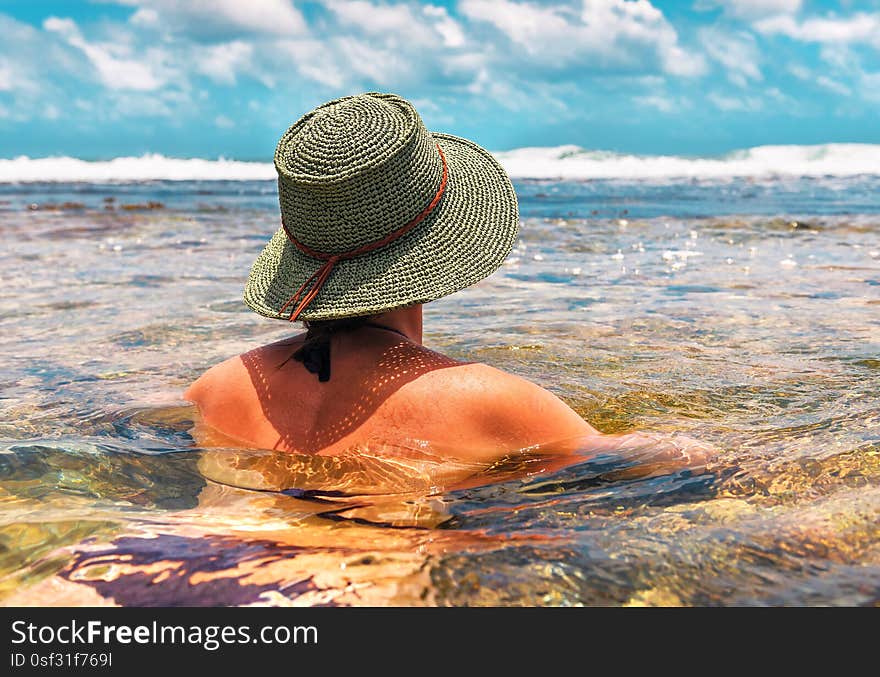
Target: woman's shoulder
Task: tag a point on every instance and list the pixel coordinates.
(219, 377)
(494, 382)
(234, 370)
(227, 400)
(507, 408)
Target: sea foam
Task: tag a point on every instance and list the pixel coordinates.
(560, 162)
(573, 162)
(125, 169)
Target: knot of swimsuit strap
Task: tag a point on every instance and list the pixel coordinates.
(315, 356)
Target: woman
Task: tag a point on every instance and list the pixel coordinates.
(380, 216)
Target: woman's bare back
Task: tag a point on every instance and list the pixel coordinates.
(384, 389)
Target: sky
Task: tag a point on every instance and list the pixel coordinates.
(225, 78)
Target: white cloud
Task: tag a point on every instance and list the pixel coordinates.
(530, 26)
(449, 29)
(137, 104)
(426, 105)
(805, 74)
(870, 85)
(752, 9)
(6, 80)
(382, 67)
(376, 19)
(114, 72)
(36, 70)
(52, 77)
(65, 27)
(603, 34)
(727, 103)
(222, 62)
(662, 103)
(399, 25)
(840, 57)
(678, 61)
(219, 18)
(858, 28)
(833, 86)
(737, 52)
(145, 17)
(311, 59)
(485, 86)
(486, 55)
(464, 65)
(367, 44)
(799, 71)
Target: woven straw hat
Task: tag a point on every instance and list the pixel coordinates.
(378, 213)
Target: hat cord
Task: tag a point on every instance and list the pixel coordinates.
(312, 286)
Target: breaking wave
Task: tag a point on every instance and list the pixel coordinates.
(560, 162)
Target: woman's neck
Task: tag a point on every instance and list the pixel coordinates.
(407, 321)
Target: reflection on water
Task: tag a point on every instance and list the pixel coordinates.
(757, 335)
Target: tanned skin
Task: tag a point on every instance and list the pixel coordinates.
(389, 389)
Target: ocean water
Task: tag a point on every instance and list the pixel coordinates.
(741, 308)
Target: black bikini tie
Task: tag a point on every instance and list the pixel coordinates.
(315, 356)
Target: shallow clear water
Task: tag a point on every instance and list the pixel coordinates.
(744, 314)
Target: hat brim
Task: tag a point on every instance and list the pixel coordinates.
(465, 239)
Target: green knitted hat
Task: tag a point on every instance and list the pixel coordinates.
(378, 213)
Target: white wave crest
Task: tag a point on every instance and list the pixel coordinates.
(561, 162)
(572, 162)
(130, 169)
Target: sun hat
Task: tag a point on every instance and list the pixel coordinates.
(378, 213)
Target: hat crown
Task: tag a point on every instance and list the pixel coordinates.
(355, 170)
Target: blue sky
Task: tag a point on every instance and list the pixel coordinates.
(209, 78)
